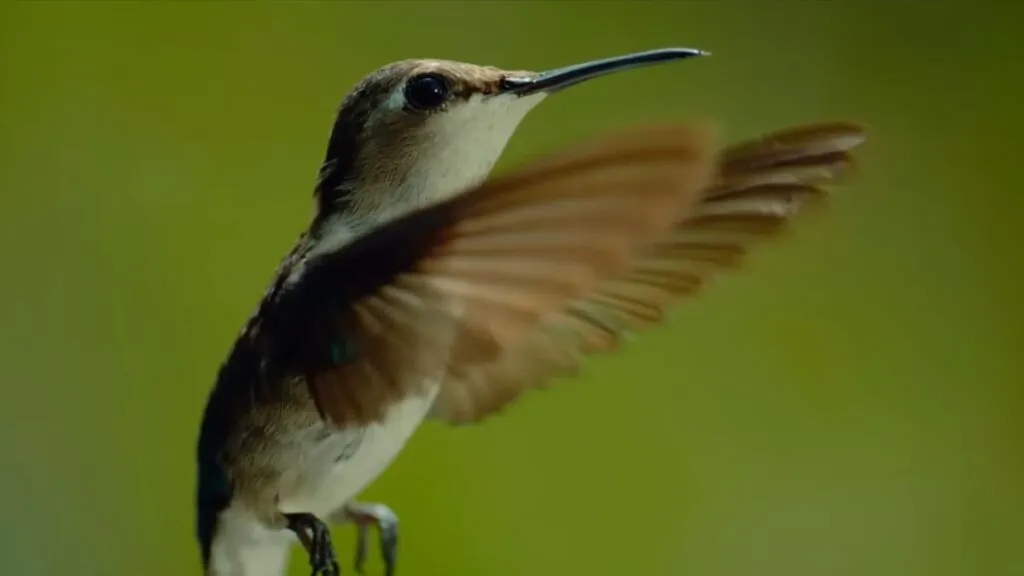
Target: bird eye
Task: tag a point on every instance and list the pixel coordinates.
(426, 91)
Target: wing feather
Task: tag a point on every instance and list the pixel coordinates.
(760, 186)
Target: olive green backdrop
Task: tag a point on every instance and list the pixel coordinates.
(849, 404)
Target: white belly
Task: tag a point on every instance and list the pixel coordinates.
(346, 462)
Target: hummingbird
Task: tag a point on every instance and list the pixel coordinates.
(425, 288)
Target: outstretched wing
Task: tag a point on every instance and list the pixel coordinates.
(464, 281)
(760, 186)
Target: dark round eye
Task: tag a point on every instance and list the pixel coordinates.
(426, 91)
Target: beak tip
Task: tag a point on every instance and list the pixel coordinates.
(694, 52)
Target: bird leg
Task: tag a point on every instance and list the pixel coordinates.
(366, 515)
(316, 538)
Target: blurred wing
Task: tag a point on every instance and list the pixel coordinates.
(760, 186)
(460, 282)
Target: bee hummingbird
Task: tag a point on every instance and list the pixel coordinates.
(424, 289)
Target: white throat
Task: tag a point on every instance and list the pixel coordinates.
(453, 151)
(462, 146)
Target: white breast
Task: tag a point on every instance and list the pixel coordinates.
(346, 462)
(322, 484)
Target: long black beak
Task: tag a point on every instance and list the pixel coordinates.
(559, 78)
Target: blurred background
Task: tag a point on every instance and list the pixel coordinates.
(850, 403)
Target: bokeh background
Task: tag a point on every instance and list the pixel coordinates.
(850, 404)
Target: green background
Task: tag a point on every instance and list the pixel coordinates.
(850, 403)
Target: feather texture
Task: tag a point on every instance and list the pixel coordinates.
(760, 186)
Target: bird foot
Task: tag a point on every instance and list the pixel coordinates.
(366, 515)
(316, 538)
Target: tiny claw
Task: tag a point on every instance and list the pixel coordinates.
(362, 546)
(364, 515)
(389, 546)
(317, 543)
